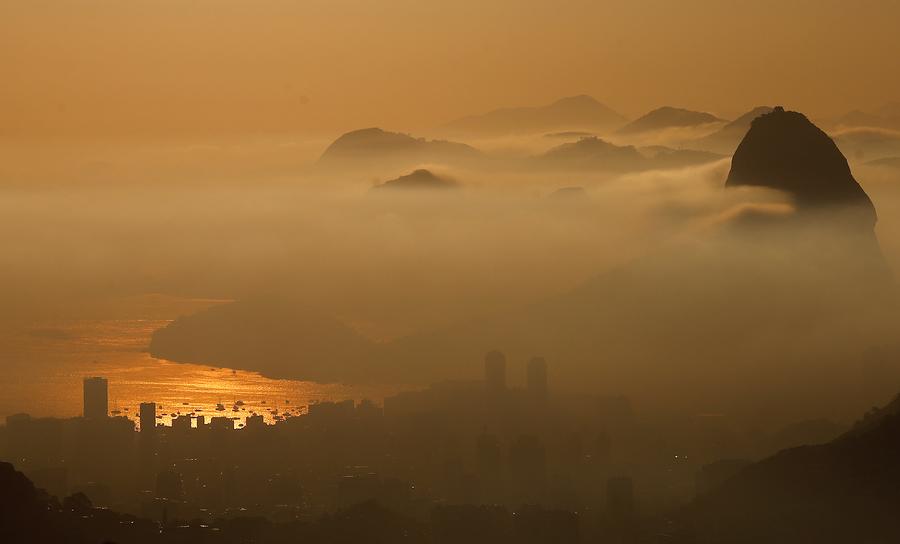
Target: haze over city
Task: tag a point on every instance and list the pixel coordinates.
(348, 271)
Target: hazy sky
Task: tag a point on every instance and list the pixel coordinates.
(130, 68)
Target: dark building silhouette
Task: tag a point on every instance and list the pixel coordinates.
(169, 485)
(537, 378)
(96, 398)
(495, 372)
(620, 498)
(488, 455)
(221, 423)
(255, 421)
(148, 417)
(182, 423)
(481, 524)
(528, 469)
(536, 525)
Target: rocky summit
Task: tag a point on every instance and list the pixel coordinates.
(784, 150)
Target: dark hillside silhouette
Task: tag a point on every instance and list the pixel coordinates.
(374, 147)
(288, 336)
(420, 179)
(847, 490)
(783, 150)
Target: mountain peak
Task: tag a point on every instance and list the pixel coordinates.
(577, 100)
(744, 121)
(419, 179)
(569, 113)
(784, 150)
(669, 117)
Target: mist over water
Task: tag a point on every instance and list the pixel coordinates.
(401, 267)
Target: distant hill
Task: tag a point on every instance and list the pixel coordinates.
(887, 116)
(668, 117)
(847, 490)
(599, 155)
(376, 147)
(281, 334)
(573, 113)
(569, 135)
(594, 154)
(420, 179)
(726, 139)
(858, 118)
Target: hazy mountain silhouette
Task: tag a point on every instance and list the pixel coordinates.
(847, 490)
(668, 117)
(375, 147)
(887, 116)
(858, 118)
(277, 334)
(726, 139)
(867, 144)
(569, 135)
(595, 154)
(420, 179)
(576, 112)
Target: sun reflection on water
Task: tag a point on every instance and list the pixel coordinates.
(54, 360)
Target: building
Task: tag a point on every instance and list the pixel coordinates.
(528, 469)
(620, 498)
(495, 372)
(537, 378)
(96, 398)
(148, 417)
(255, 421)
(221, 423)
(182, 423)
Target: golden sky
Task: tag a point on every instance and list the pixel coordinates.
(133, 68)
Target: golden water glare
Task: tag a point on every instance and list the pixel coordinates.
(62, 354)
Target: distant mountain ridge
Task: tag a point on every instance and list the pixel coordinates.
(592, 153)
(375, 146)
(726, 139)
(668, 117)
(420, 179)
(887, 116)
(580, 112)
